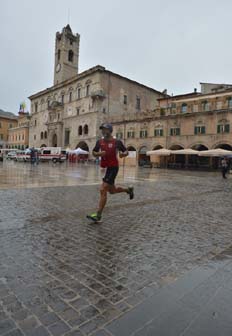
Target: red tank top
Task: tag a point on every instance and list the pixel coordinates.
(110, 159)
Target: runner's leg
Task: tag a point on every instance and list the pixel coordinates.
(115, 190)
(103, 197)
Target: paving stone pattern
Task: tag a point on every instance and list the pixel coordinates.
(60, 275)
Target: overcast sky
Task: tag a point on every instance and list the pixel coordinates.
(172, 44)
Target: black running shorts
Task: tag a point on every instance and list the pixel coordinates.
(110, 175)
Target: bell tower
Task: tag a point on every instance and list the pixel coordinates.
(66, 55)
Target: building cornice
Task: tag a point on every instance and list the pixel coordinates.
(87, 73)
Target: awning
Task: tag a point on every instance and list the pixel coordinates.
(187, 151)
(78, 151)
(160, 152)
(215, 152)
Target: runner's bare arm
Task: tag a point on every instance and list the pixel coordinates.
(97, 154)
(123, 152)
(97, 150)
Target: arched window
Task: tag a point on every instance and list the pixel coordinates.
(41, 135)
(87, 90)
(80, 130)
(70, 56)
(184, 108)
(70, 96)
(205, 105)
(86, 129)
(45, 135)
(58, 56)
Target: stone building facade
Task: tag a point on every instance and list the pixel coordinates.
(69, 113)
(7, 121)
(196, 120)
(18, 136)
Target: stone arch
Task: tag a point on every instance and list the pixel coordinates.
(223, 145)
(131, 148)
(175, 160)
(157, 147)
(43, 145)
(199, 147)
(198, 161)
(83, 145)
(176, 146)
(142, 157)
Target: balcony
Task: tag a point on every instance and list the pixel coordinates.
(98, 94)
(55, 105)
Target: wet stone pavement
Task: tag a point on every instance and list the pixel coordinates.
(161, 252)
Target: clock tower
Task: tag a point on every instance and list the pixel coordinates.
(66, 55)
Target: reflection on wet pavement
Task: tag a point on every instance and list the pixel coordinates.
(61, 276)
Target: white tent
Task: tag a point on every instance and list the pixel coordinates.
(215, 152)
(79, 151)
(160, 152)
(187, 151)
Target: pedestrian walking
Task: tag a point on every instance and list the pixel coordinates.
(224, 165)
(33, 156)
(107, 149)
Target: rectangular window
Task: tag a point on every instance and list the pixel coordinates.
(219, 105)
(130, 134)
(66, 137)
(78, 110)
(48, 103)
(34, 137)
(158, 132)
(230, 103)
(174, 131)
(87, 90)
(195, 108)
(173, 108)
(62, 99)
(223, 128)
(79, 93)
(1, 136)
(10, 125)
(199, 130)
(1, 125)
(36, 107)
(138, 103)
(184, 108)
(143, 134)
(70, 97)
(125, 99)
(227, 128)
(162, 111)
(205, 106)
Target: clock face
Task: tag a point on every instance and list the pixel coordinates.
(58, 67)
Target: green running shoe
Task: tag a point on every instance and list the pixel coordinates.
(94, 217)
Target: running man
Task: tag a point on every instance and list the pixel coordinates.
(107, 148)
